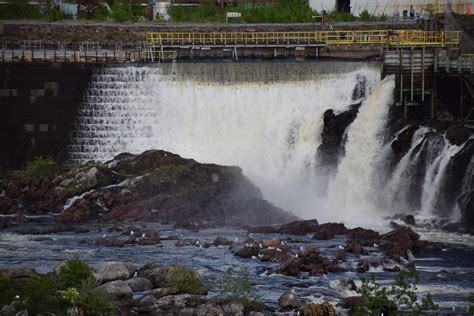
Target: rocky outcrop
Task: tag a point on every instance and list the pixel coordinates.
(293, 228)
(155, 185)
(466, 205)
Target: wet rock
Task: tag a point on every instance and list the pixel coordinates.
(353, 247)
(402, 143)
(233, 309)
(20, 273)
(187, 311)
(81, 211)
(466, 205)
(329, 231)
(222, 241)
(5, 223)
(289, 300)
(110, 241)
(397, 242)
(148, 237)
(354, 302)
(324, 309)
(360, 233)
(139, 284)
(299, 227)
(350, 284)
(341, 255)
(409, 220)
(116, 291)
(209, 310)
(362, 266)
(180, 301)
(290, 267)
(457, 135)
(111, 271)
(275, 254)
(393, 268)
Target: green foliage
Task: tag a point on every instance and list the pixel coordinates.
(402, 292)
(236, 286)
(73, 273)
(283, 11)
(471, 302)
(365, 16)
(121, 12)
(39, 295)
(20, 9)
(8, 289)
(185, 280)
(41, 166)
(91, 301)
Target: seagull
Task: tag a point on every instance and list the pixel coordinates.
(340, 247)
(17, 297)
(135, 274)
(143, 235)
(236, 239)
(103, 236)
(260, 245)
(301, 248)
(296, 256)
(278, 249)
(132, 232)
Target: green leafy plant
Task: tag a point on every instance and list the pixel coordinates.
(41, 166)
(185, 280)
(235, 285)
(471, 302)
(121, 12)
(38, 294)
(91, 301)
(20, 9)
(73, 273)
(402, 292)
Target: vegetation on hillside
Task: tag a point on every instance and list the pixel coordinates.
(121, 11)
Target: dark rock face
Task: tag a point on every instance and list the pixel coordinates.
(402, 143)
(299, 227)
(457, 135)
(158, 186)
(329, 231)
(331, 148)
(466, 204)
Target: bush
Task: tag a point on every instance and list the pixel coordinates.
(39, 295)
(20, 9)
(471, 302)
(91, 301)
(120, 12)
(236, 286)
(73, 273)
(403, 293)
(41, 166)
(185, 280)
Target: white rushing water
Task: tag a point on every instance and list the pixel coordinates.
(267, 119)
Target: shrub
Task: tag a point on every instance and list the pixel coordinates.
(120, 12)
(20, 9)
(471, 302)
(185, 280)
(39, 295)
(91, 301)
(8, 289)
(236, 286)
(41, 166)
(403, 293)
(73, 273)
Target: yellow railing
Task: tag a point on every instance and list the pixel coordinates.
(349, 37)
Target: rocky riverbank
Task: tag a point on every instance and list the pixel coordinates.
(155, 185)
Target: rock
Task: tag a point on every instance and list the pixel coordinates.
(394, 268)
(329, 231)
(353, 302)
(402, 143)
(221, 241)
(272, 255)
(152, 272)
(359, 233)
(290, 267)
(20, 273)
(209, 310)
(139, 284)
(111, 242)
(466, 205)
(409, 220)
(4, 223)
(299, 227)
(81, 211)
(341, 255)
(350, 284)
(233, 309)
(117, 291)
(397, 242)
(148, 237)
(111, 271)
(147, 304)
(362, 266)
(187, 311)
(275, 242)
(457, 135)
(324, 309)
(353, 247)
(289, 300)
(163, 291)
(180, 301)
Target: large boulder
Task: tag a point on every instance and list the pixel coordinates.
(111, 271)
(118, 292)
(139, 284)
(299, 227)
(324, 309)
(289, 300)
(329, 231)
(466, 205)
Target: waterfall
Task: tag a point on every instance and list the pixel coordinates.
(264, 117)
(354, 187)
(267, 119)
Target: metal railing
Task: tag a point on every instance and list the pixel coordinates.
(348, 37)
